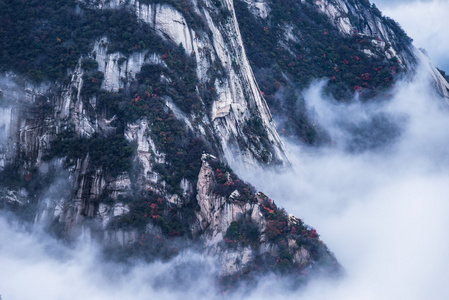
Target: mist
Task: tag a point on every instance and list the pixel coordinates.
(377, 195)
(380, 207)
(426, 22)
(36, 266)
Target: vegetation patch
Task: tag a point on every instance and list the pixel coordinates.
(284, 67)
(113, 154)
(242, 232)
(45, 39)
(227, 182)
(167, 235)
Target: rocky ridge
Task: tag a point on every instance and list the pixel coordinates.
(246, 229)
(112, 145)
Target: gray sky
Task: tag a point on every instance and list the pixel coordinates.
(426, 21)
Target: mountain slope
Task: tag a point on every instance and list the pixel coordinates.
(111, 108)
(348, 43)
(123, 130)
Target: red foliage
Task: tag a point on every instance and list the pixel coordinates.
(174, 233)
(135, 99)
(294, 231)
(228, 183)
(273, 229)
(230, 242)
(365, 76)
(28, 177)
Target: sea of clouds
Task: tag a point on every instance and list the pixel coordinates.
(378, 196)
(382, 208)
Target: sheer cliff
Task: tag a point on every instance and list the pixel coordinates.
(350, 44)
(117, 116)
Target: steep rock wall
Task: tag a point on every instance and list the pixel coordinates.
(217, 214)
(217, 47)
(369, 21)
(56, 108)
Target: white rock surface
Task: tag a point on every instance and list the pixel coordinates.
(216, 214)
(147, 152)
(119, 69)
(239, 96)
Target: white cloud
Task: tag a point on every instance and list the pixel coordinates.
(35, 266)
(426, 22)
(382, 210)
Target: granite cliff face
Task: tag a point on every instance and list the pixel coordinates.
(246, 230)
(105, 125)
(357, 51)
(358, 17)
(218, 45)
(224, 123)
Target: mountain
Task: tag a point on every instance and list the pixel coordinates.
(118, 118)
(348, 43)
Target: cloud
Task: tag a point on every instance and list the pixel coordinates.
(383, 210)
(35, 266)
(424, 21)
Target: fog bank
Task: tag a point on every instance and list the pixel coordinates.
(382, 208)
(426, 22)
(35, 266)
(377, 196)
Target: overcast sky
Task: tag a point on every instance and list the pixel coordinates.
(426, 22)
